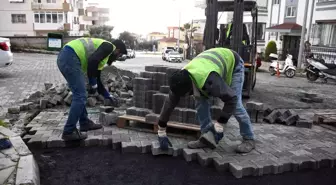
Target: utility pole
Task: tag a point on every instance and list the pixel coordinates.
(310, 20)
(303, 31)
(191, 39)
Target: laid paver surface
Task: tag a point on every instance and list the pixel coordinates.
(278, 149)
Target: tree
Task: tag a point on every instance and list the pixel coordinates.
(128, 39)
(188, 29)
(103, 32)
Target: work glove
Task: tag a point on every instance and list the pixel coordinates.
(163, 139)
(113, 100)
(93, 87)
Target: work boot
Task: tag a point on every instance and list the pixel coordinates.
(209, 139)
(90, 125)
(246, 146)
(196, 144)
(75, 135)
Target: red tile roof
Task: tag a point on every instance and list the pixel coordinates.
(287, 26)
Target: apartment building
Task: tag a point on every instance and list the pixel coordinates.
(154, 36)
(92, 14)
(286, 19)
(39, 17)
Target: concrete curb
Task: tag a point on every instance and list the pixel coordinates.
(19, 165)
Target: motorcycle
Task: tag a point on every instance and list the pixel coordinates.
(317, 68)
(285, 67)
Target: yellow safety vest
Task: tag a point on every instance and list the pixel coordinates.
(85, 47)
(219, 60)
(228, 33)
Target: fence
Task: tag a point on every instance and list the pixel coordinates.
(39, 42)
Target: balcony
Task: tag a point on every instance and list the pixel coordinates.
(92, 9)
(90, 18)
(66, 7)
(82, 27)
(48, 26)
(67, 26)
(104, 10)
(104, 18)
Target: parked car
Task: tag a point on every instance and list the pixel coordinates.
(6, 55)
(130, 53)
(165, 53)
(174, 56)
(122, 58)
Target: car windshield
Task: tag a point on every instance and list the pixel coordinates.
(174, 53)
(168, 50)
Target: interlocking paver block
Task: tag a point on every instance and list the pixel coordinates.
(243, 168)
(206, 158)
(27, 171)
(191, 154)
(131, 147)
(19, 146)
(157, 151)
(222, 164)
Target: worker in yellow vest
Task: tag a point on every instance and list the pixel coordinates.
(217, 72)
(80, 57)
(245, 41)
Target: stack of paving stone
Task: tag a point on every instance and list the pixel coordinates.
(54, 95)
(258, 113)
(150, 91)
(308, 97)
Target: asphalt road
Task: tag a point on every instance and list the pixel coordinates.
(30, 71)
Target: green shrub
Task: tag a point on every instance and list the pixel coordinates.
(2, 123)
(270, 48)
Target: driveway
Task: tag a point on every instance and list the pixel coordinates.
(30, 71)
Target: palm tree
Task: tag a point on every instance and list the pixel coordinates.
(188, 29)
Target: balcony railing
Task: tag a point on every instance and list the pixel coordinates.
(50, 26)
(51, 6)
(90, 18)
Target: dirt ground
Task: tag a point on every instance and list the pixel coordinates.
(86, 166)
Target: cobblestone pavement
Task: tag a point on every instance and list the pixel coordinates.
(278, 148)
(30, 71)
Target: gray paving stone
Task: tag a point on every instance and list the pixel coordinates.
(116, 141)
(20, 147)
(107, 109)
(157, 151)
(92, 101)
(7, 132)
(243, 168)
(304, 123)
(6, 162)
(222, 164)
(191, 154)
(28, 171)
(303, 162)
(14, 110)
(11, 154)
(55, 142)
(146, 146)
(93, 140)
(107, 140)
(266, 166)
(206, 158)
(178, 149)
(323, 160)
(5, 174)
(131, 147)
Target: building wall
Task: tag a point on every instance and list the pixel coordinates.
(7, 28)
(325, 11)
(168, 44)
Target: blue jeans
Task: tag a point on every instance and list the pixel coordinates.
(203, 107)
(69, 65)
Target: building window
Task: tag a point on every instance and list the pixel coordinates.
(327, 35)
(51, 1)
(261, 31)
(276, 1)
(18, 18)
(48, 17)
(290, 11)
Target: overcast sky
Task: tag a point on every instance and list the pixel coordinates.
(145, 16)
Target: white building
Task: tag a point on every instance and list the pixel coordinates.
(40, 17)
(286, 19)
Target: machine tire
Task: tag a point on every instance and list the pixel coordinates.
(311, 76)
(290, 73)
(272, 71)
(254, 82)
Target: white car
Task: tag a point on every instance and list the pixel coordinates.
(130, 53)
(165, 53)
(174, 56)
(6, 56)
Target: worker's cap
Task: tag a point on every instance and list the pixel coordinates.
(119, 44)
(180, 83)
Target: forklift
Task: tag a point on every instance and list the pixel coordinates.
(214, 37)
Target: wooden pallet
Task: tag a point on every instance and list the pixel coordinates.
(327, 120)
(124, 120)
